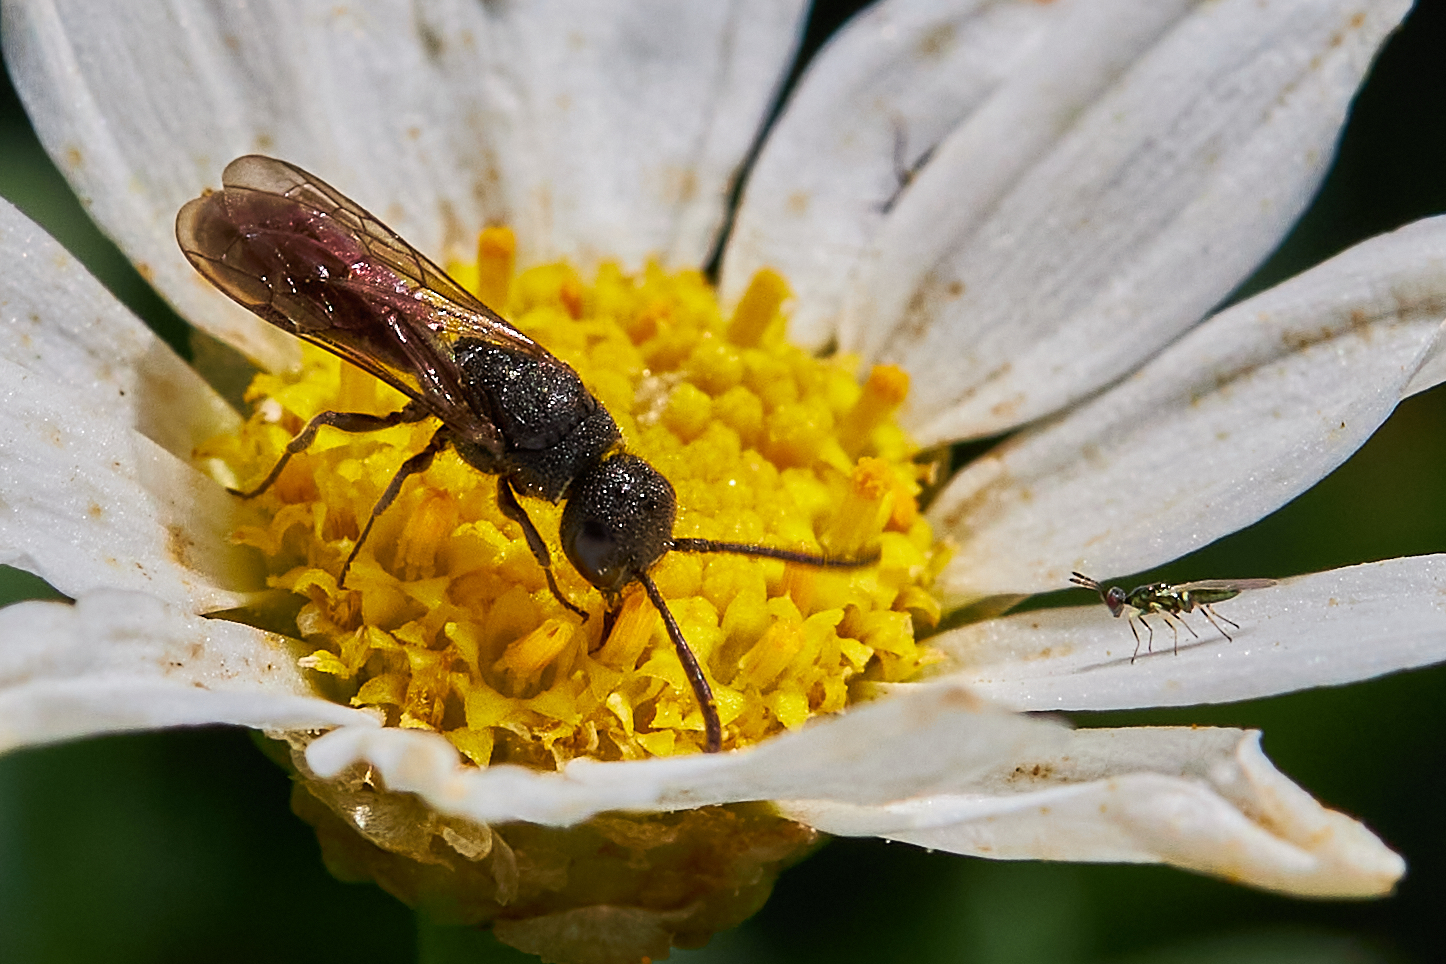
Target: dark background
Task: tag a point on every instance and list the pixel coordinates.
(180, 846)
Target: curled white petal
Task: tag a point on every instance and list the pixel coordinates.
(1326, 629)
(88, 503)
(921, 740)
(1222, 428)
(1202, 799)
(117, 661)
(99, 419)
(59, 324)
(1130, 172)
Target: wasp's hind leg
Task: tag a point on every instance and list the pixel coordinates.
(507, 502)
(356, 422)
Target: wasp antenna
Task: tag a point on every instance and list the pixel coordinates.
(1080, 579)
(769, 552)
(712, 727)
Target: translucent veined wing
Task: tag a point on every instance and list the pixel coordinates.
(1224, 585)
(303, 256)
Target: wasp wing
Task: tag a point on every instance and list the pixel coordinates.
(301, 255)
(470, 317)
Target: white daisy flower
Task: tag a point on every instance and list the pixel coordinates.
(1031, 209)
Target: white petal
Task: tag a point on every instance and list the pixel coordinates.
(882, 93)
(1325, 629)
(62, 325)
(923, 739)
(1132, 169)
(1228, 424)
(1202, 799)
(87, 503)
(117, 661)
(611, 129)
(627, 122)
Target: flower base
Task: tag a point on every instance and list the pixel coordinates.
(618, 888)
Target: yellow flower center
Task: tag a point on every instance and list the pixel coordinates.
(447, 623)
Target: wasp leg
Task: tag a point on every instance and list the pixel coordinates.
(507, 502)
(610, 619)
(1211, 615)
(346, 422)
(417, 463)
(712, 726)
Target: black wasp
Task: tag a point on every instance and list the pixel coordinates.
(1171, 601)
(305, 258)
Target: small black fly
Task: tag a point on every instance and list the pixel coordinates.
(1171, 602)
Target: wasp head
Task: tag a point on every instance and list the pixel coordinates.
(618, 522)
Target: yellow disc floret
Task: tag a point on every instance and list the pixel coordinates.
(446, 621)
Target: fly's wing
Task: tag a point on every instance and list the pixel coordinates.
(301, 255)
(1225, 585)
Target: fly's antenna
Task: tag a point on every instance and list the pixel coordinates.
(769, 552)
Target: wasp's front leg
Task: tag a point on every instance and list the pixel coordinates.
(507, 502)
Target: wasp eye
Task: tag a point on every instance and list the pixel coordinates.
(1115, 599)
(618, 521)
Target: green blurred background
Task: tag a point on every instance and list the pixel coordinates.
(180, 847)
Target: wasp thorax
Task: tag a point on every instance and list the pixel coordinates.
(618, 521)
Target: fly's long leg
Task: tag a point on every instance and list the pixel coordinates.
(712, 726)
(507, 502)
(1136, 632)
(1212, 615)
(1170, 620)
(345, 421)
(417, 463)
